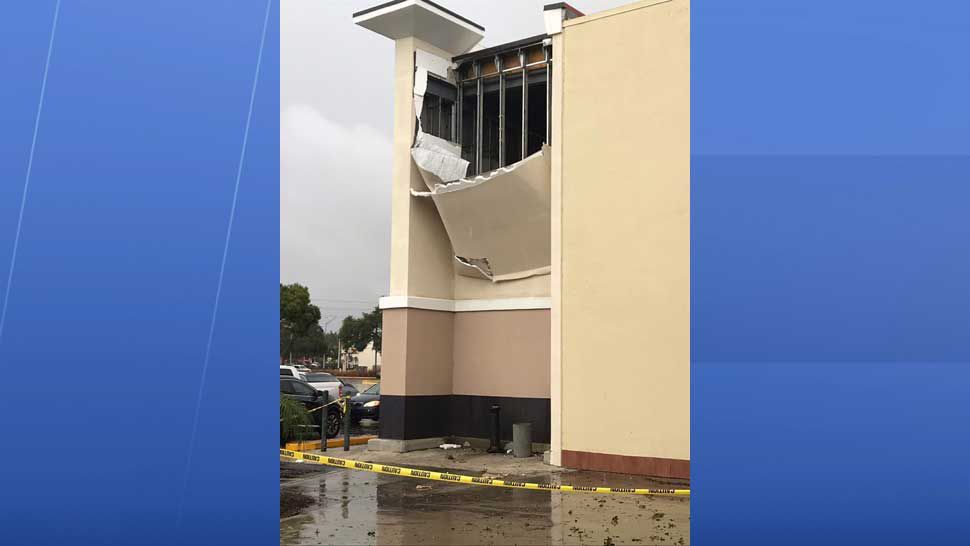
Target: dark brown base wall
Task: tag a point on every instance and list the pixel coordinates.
(415, 417)
(627, 464)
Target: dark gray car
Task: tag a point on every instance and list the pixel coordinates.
(312, 399)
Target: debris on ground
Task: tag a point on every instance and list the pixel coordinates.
(462, 513)
(450, 446)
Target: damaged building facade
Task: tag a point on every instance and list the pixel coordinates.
(540, 244)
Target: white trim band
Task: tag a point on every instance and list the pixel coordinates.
(460, 306)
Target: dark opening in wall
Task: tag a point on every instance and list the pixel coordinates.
(504, 103)
(513, 118)
(436, 117)
(469, 125)
(538, 111)
(490, 125)
(438, 111)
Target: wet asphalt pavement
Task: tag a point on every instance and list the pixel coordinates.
(340, 506)
(364, 427)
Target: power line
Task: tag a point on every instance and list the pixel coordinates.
(372, 302)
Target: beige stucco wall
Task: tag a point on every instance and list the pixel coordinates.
(484, 353)
(555, 247)
(394, 333)
(502, 353)
(418, 352)
(421, 260)
(468, 288)
(625, 228)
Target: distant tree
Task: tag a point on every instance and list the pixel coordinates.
(297, 315)
(359, 332)
(312, 344)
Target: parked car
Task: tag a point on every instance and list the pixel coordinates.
(326, 382)
(291, 371)
(331, 418)
(366, 405)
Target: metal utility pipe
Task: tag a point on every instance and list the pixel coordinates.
(501, 112)
(525, 105)
(478, 118)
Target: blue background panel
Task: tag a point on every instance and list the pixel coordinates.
(830, 263)
(831, 258)
(119, 260)
(829, 453)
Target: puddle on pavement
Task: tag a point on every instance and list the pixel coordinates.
(362, 508)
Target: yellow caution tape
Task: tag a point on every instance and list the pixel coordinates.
(342, 402)
(457, 478)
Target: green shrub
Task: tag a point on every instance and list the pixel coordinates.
(294, 421)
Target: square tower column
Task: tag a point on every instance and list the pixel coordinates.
(417, 352)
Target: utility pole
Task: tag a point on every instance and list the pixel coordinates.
(326, 324)
(373, 346)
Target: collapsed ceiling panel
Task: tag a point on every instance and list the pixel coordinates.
(439, 159)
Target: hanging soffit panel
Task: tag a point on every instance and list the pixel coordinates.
(422, 19)
(498, 223)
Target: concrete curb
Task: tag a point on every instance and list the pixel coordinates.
(311, 445)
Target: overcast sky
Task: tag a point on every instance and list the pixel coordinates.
(335, 141)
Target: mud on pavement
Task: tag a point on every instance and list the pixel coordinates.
(350, 507)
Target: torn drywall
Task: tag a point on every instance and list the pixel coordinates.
(474, 267)
(425, 64)
(432, 63)
(498, 223)
(420, 87)
(438, 157)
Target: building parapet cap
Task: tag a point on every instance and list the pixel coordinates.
(553, 16)
(422, 19)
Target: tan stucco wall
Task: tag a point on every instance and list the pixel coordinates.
(484, 353)
(626, 231)
(555, 247)
(468, 288)
(394, 331)
(502, 353)
(418, 352)
(429, 352)
(421, 260)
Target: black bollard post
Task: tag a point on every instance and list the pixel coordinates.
(495, 437)
(324, 412)
(347, 424)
